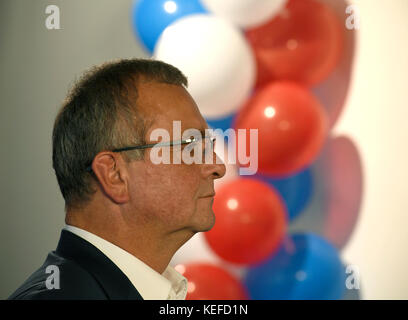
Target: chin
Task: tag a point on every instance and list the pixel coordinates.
(206, 222)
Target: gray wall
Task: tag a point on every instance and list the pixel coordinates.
(37, 68)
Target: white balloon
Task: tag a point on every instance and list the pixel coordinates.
(245, 13)
(196, 250)
(215, 57)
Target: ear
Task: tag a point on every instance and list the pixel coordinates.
(111, 173)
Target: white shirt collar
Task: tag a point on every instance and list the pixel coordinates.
(170, 285)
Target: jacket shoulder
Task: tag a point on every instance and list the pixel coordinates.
(59, 279)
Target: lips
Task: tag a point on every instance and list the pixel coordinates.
(208, 196)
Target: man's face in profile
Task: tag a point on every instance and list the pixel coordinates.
(172, 197)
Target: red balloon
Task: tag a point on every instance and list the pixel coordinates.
(344, 184)
(250, 221)
(303, 43)
(210, 282)
(292, 127)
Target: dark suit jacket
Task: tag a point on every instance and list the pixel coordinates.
(85, 273)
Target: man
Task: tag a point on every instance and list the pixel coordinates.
(126, 216)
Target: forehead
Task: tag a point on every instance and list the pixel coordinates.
(163, 103)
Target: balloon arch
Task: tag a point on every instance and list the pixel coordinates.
(282, 67)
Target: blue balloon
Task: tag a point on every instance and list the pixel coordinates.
(306, 267)
(296, 190)
(223, 123)
(151, 17)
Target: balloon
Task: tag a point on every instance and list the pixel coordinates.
(334, 90)
(151, 17)
(295, 190)
(304, 43)
(211, 282)
(306, 267)
(216, 59)
(338, 180)
(195, 249)
(250, 221)
(291, 125)
(245, 13)
(223, 123)
(343, 175)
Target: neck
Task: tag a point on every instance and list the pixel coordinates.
(153, 247)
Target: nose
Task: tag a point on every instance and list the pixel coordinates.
(216, 170)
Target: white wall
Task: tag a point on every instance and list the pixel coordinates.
(375, 116)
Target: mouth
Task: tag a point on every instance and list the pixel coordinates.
(209, 196)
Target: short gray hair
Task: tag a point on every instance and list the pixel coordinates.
(100, 113)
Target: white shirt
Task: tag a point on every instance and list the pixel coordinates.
(170, 285)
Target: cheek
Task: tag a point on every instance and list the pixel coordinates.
(168, 193)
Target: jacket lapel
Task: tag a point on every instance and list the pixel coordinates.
(113, 281)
